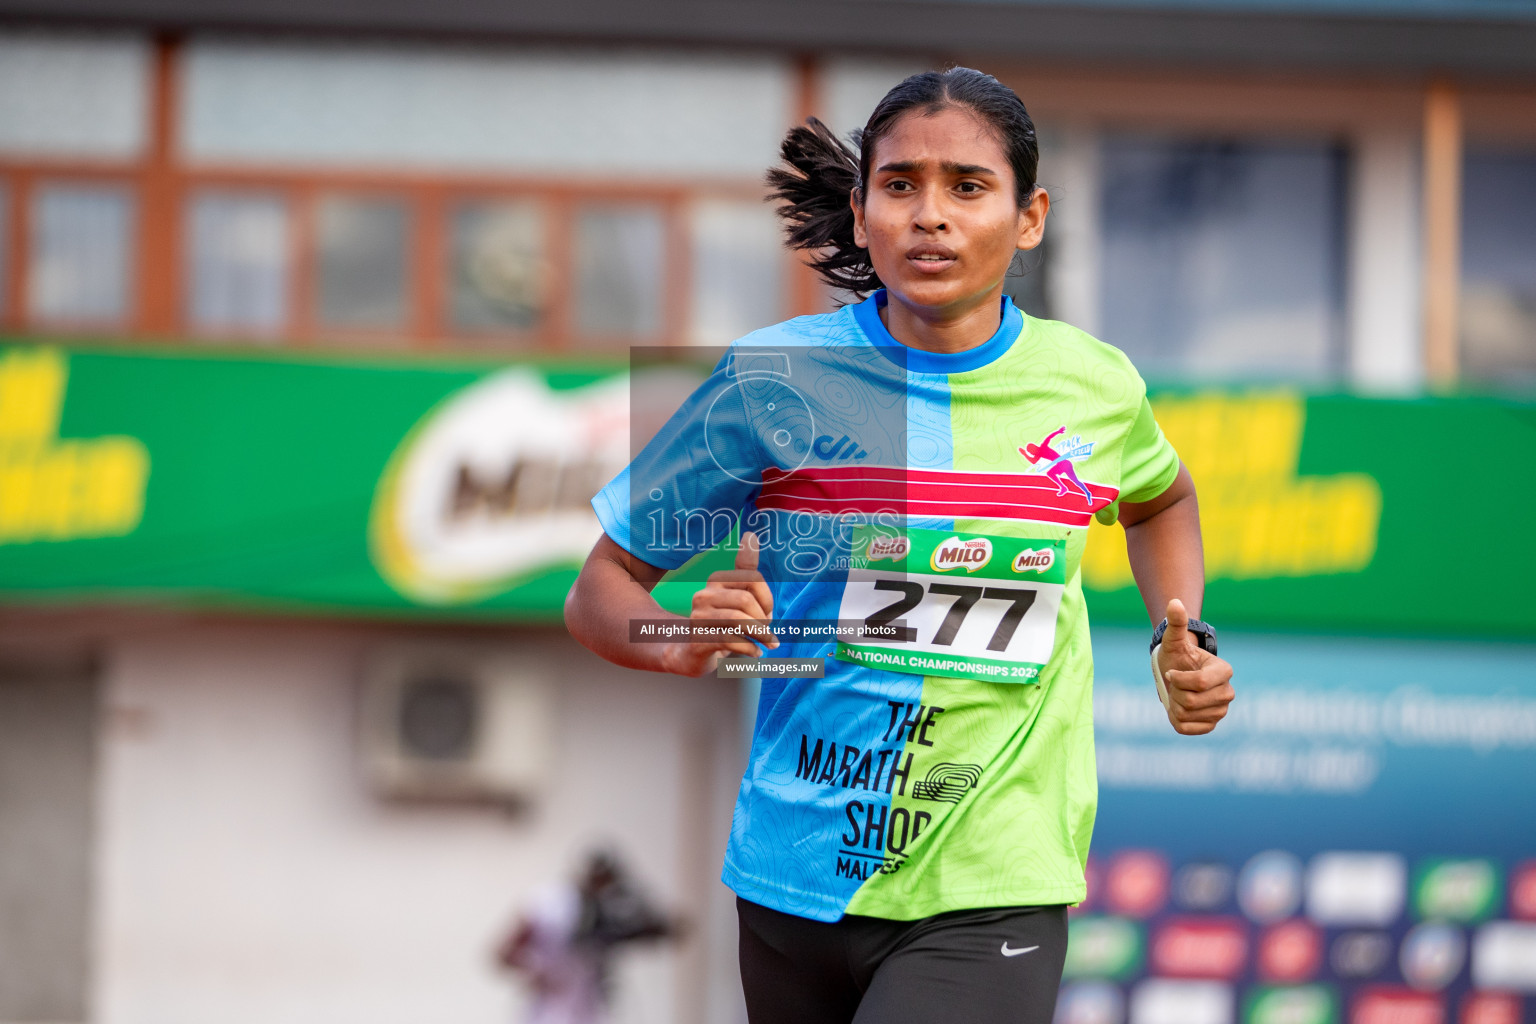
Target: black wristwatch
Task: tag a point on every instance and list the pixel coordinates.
(1205, 634)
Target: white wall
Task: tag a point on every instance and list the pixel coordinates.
(73, 95)
(608, 112)
(852, 86)
(246, 874)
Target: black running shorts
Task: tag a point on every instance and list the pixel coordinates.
(996, 966)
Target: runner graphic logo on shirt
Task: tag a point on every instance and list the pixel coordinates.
(1059, 467)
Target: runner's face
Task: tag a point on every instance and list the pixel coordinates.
(940, 218)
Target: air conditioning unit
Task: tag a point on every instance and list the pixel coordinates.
(439, 724)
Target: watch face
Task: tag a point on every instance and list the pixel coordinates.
(1204, 633)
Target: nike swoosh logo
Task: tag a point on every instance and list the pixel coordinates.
(1017, 952)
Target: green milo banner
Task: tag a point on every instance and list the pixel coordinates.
(1345, 514)
(319, 486)
(458, 491)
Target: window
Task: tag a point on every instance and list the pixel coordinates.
(620, 253)
(360, 255)
(499, 274)
(342, 102)
(70, 94)
(738, 270)
(1224, 259)
(79, 268)
(1498, 266)
(237, 263)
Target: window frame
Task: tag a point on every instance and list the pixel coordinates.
(186, 277)
(430, 202)
(164, 184)
(23, 181)
(554, 221)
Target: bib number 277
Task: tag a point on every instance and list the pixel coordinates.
(881, 624)
(934, 603)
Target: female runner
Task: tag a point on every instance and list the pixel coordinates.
(918, 470)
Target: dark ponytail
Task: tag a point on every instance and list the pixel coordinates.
(822, 173)
(813, 192)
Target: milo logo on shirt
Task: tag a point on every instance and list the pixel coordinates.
(1030, 560)
(955, 553)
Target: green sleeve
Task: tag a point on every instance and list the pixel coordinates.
(1148, 464)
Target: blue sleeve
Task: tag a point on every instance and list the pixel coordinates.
(686, 490)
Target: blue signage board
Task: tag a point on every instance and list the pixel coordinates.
(1355, 844)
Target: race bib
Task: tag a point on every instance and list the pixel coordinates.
(936, 603)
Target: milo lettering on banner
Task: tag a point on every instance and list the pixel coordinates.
(494, 484)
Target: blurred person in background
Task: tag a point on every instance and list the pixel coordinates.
(943, 899)
(564, 942)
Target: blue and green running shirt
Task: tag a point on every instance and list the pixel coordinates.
(938, 505)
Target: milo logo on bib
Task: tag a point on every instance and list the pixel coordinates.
(955, 553)
(1030, 560)
(893, 548)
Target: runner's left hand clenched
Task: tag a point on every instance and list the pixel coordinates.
(1199, 684)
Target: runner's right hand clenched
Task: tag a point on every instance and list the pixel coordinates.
(739, 594)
